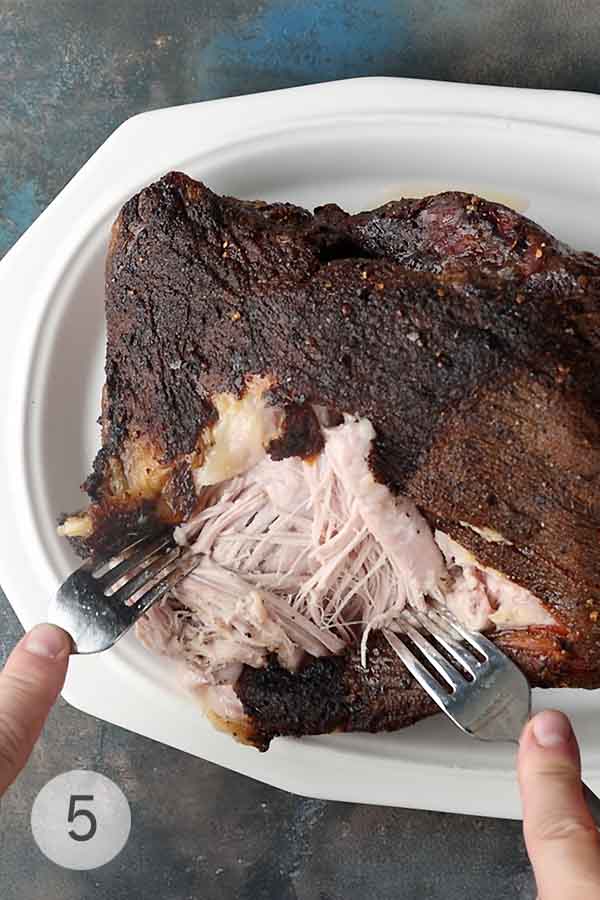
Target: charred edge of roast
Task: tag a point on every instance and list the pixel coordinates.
(332, 694)
(301, 435)
(337, 694)
(116, 524)
(548, 660)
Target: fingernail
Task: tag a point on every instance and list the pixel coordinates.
(551, 728)
(48, 641)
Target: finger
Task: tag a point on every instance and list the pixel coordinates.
(30, 683)
(561, 838)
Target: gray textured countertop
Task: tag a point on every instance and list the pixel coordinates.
(71, 71)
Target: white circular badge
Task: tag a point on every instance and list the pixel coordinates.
(81, 820)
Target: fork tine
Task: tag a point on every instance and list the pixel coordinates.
(477, 640)
(122, 554)
(446, 639)
(154, 568)
(432, 655)
(132, 556)
(418, 670)
(179, 568)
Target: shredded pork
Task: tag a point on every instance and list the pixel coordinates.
(305, 557)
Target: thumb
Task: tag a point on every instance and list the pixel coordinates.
(30, 683)
(560, 834)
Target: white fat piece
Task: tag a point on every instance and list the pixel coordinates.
(488, 534)
(237, 441)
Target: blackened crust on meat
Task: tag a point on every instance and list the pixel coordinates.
(278, 702)
(534, 453)
(181, 263)
(301, 434)
(116, 526)
(332, 694)
(119, 517)
(96, 483)
(202, 291)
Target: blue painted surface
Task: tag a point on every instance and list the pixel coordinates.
(315, 41)
(18, 211)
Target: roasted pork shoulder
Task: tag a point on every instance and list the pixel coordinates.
(349, 415)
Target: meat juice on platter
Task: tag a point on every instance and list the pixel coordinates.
(349, 416)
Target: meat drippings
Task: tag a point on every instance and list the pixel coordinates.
(307, 557)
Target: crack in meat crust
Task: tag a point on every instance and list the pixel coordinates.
(464, 332)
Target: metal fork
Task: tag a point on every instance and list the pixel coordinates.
(103, 599)
(482, 690)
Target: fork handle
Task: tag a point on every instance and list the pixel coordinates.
(593, 803)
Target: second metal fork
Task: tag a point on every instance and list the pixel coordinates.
(481, 690)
